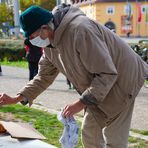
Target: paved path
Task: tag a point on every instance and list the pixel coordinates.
(58, 95)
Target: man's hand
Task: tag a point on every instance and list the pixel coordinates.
(7, 100)
(72, 109)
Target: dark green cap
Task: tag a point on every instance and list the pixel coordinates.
(33, 18)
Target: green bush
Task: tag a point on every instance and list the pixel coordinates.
(11, 50)
(11, 54)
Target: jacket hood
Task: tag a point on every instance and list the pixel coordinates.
(65, 16)
(59, 12)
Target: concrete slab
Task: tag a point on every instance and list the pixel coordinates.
(7, 142)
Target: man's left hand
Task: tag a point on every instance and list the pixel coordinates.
(72, 109)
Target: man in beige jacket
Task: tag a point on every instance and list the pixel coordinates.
(104, 70)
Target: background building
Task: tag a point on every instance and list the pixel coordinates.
(125, 17)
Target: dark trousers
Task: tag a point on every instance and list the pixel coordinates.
(68, 83)
(33, 69)
(71, 86)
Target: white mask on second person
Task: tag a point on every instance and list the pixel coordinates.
(40, 42)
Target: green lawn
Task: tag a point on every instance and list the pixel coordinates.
(45, 123)
(22, 64)
(146, 81)
(138, 143)
(140, 132)
(49, 126)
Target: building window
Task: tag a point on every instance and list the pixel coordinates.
(144, 9)
(110, 10)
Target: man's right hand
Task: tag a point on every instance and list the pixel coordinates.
(7, 100)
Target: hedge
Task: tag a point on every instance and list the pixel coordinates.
(12, 50)
(12, 54)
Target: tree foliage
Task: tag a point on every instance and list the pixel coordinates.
(24, 4)
(6, 14)
(47, 4)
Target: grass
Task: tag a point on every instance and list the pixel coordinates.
(143, 132)
(138, 143)
(22, 64)
(45, 123)
(50, 127)
(146, 81)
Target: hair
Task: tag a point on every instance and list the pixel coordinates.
(51, 25)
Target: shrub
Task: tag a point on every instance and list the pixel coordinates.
(12, 54)
(12, 50)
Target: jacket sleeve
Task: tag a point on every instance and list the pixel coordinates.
(46, 75)
(95, 57)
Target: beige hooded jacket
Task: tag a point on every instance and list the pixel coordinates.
(102, 67)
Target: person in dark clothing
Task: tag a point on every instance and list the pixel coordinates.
(128, 34)
(33, 54)
(71, 86)
(68, 83)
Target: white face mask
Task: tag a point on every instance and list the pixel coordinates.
(40, 42)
